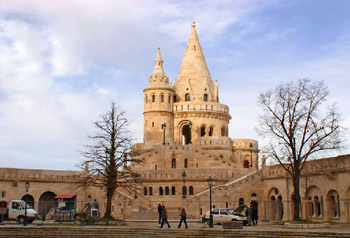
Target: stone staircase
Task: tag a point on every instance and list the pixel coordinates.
(152, 215)
(120, 231)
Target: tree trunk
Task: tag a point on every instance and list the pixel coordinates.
(296, 196)
(108, 213)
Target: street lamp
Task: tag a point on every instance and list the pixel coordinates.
(251, 154)
(190, 126)
(26, 185)
(183, 187)
(210, 183)
(135, 179)
(163, 127)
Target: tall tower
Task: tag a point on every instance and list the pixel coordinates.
(198, 116)
(158, 106)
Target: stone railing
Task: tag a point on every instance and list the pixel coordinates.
(200, 106)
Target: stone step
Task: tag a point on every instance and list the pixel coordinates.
(77, 232)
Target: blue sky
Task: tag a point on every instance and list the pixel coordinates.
(63, 62)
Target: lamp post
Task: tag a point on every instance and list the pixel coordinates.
(135, 179)
(190, 126)
(210, 183)
(26, 185)
(163, 127)
(251, 154)
(183, 187)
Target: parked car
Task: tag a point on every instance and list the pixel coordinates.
(221, 215)
(15, 210)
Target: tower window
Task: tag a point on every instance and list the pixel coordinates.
(160, 190)
(169, 99)
(172, 190)
(187, 97)
(202, 131)
(145, 191)
(185, 163)
(162, 98)
(211, 131)
(190, 190)
(205, 97)
(146, 99)
(152, 124)
(174, 98)
(166, 190)
(150, 191)
(153, 98)
(173, 163)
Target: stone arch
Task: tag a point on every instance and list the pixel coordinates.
(313, 202)
(187, 97)
(46, 203)
(211, 131)
(185, 132)
(275, 208)
(333, 203)
(29, 199)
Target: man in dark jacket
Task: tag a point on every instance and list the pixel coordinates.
(160, 208)
(183, 217)
(164, 217)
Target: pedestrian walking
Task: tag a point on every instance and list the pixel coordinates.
(255, 216)
(164, 217)
(248, 213)
(160, 208)
(183, 217)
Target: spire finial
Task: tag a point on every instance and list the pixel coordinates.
(193, 24)
(158, 63)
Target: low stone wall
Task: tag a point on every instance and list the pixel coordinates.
(306, 226)
(232, 225)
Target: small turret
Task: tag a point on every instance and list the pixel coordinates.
(158, 105)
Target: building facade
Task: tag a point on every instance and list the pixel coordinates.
(185, 142)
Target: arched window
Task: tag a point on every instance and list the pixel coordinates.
(173, 163)
(160, 190)
(223, 131)
(190, 190)
(150, 191)
(241, 201)
(172, 190)
(205, 97)
(211, 129)
(153, 98)
(185, 163)
(246, 164)
(174, 98)
(145, 191)
(169, 99)
(187, 97)
(202, 131)
(166, 190)
(184, 190)
(162, 98)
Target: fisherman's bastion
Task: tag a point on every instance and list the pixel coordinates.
(185, 142)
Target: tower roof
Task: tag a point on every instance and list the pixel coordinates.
(193, 63)
(194, 77)
(158, 64)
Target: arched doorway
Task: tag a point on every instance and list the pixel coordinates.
(275, 209)
(46, 203)
(333, 203)
(29, 199)
(186, 135)
(313, 202)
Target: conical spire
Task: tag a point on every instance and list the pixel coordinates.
(193, 64)
(158, 64)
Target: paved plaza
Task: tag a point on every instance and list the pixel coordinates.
(147, 229)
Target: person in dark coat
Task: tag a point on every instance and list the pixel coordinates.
(183, 217)
(164, 217)
(160, 208)
(254, 216)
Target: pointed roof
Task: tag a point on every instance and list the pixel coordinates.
(158, 64)
(193, 63)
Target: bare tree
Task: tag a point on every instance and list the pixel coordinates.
(298, 128)
(109, 155)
